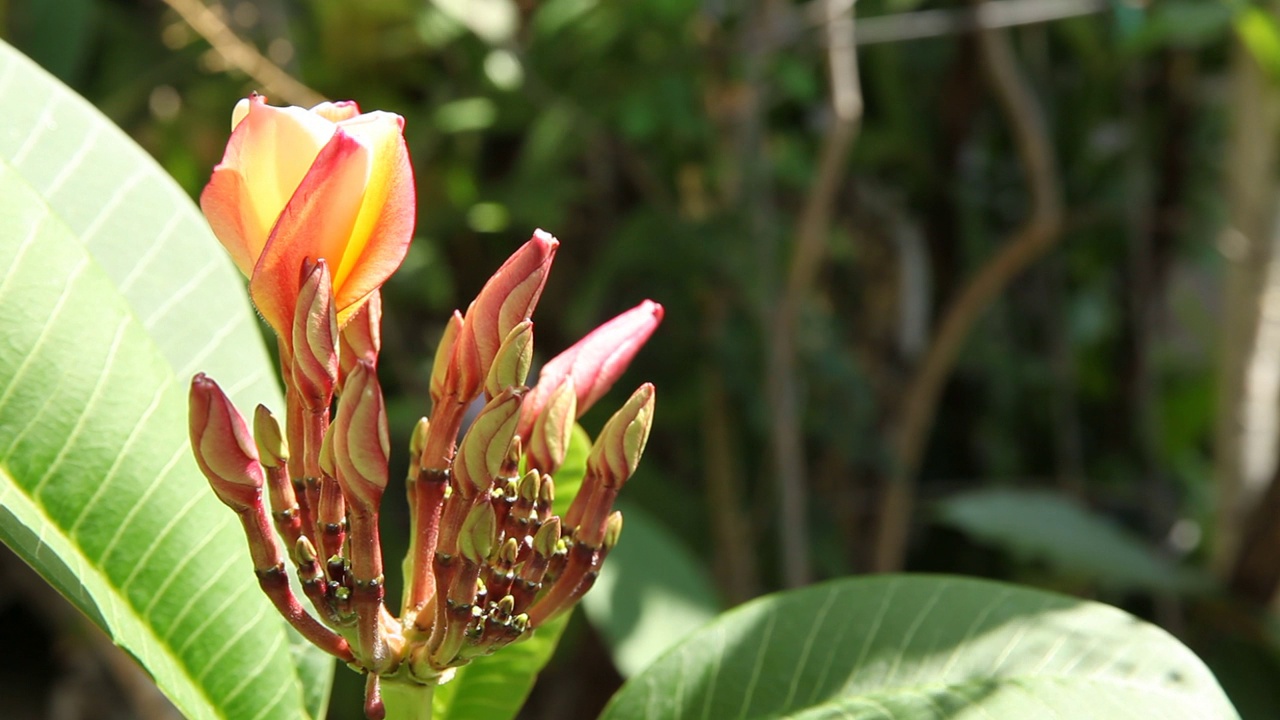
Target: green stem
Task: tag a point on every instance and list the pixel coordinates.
(407, 700)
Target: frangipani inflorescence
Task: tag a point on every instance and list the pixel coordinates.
(316, 207)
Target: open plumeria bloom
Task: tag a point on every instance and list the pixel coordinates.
(316, 207)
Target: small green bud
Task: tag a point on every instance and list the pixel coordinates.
(511, 364)
(617, 450)
(305, 550)
(478, 534)
(444, 356)
(484, 448)
(520, 623)
(418, 440)
(273, 450)
(546, 492)
(529, 487)
(506, 605)
(548, 538)
(510, 552)
(612, 530)
(553, 428)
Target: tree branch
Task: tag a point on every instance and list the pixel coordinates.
(790, 472)
(237, 53)
(1027, 244)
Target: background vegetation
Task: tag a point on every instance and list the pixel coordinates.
(960, 298)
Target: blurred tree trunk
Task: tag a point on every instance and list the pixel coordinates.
(1249, 378)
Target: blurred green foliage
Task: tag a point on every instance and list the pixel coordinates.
(671, 149)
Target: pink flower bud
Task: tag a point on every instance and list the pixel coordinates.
(315, 338)
(361, 339)
(508, 298)
(360, 445)
(222, 446)
(594, 363)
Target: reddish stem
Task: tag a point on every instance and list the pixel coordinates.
(426, 498)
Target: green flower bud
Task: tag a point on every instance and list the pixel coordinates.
(617, 450)
(484, 448)
(511, 364)
(273, 450)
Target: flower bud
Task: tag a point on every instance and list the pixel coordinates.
(528, 487)
(315, 338)
(361, 337)
(511, 364)
(594, 363)
(509, 553)
(478, 534)
(547, 538)
(506, 299)
(444, 356)
(484, 448)
(553, 428)
(360, 443)
(273, 450)
(418, 441)
(222, 446)
(612, 530)
(617, 450)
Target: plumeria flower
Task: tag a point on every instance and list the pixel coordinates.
(327, 183)
(316, 207)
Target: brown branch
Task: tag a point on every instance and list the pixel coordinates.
(1245, 436)
(275, 82)
(736, 568)
(1027, 244)
(810, 247)
(988, 15)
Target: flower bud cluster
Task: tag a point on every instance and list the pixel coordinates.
(489, 561)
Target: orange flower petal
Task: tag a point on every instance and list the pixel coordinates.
(222, 202)
(315, 224)
(384, 225)
(267, 157)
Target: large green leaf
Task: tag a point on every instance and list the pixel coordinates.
(114, 293)
(1072, 540)
(915, 647)
(651, 593)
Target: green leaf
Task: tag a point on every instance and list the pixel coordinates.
(651, 593)
(1072, 540)
(115, 293)
(495, 687)
(914, 647)
(1260, 34)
